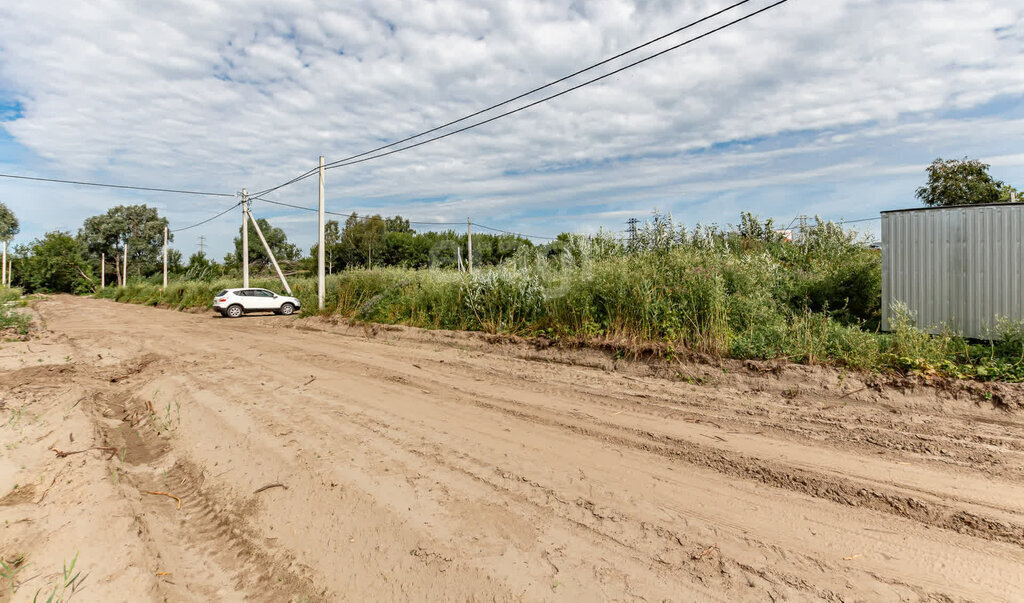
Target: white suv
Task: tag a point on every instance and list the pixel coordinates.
(236, 302)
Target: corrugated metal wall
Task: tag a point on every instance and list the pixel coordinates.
(959, 266)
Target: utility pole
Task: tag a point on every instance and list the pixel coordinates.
(631, 228)
(469, 246)
(165, 257)
(245, 238)
(321, 288)
(202, 239)
(125, 264)
(117, 266)
(103, 271)
(3, 269)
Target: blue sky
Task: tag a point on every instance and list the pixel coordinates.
(816, 108)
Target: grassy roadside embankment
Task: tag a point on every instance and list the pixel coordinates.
(713, 293)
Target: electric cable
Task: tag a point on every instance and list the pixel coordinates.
(208, 219)
(344, 161)
(122, 186)
(358, 217)
(518, 234)
(348, 215)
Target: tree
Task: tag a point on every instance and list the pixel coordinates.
(332, 235)
(200, 268)
(55, 263)
(258, 259)
(1009, 193)
(8, 228)
(361, 239)
(8, 224)
(138, 226)
(174, 261)
(960, 182)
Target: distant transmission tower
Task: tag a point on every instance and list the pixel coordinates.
(202, 239)
(631, 229)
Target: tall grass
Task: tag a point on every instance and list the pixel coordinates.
(10, 318)
(9, 294)
(742, 294)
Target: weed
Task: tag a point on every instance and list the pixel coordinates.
(9, 570)
(68, 581)
(14, 420)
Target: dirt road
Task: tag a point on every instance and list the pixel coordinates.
(410, 465)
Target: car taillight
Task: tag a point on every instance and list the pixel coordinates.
(223, 299)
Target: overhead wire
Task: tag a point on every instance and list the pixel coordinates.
(344, 162)
(208, 219)
(302, 176)
(136, 188)
(355, 215)
(120, 186)
(348, 215)
(351, 159)
(518, 234)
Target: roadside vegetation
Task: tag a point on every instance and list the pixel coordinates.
(12, 321)
(740, 293)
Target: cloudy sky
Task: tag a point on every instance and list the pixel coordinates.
(830, 107)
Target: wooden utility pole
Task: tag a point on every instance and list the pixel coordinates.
(321, 287)
(469, 246)
(270, 254)
(202, 240)
(3, 269)
(103, 271)
(124, 265)
(117, 267)
(245, 238)
(165, 257)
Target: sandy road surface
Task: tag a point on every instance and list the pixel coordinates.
(429, 466)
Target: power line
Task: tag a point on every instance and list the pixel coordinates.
(860, 220)
(292, 181)
(358, 217)
(124, 186)
(518, 234)
(350, 160)
(343, 163)
(208, 219)
(348, 215)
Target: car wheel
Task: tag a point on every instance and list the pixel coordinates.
(287, 309)
(234, 311)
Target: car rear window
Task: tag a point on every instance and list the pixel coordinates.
(224, 292)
